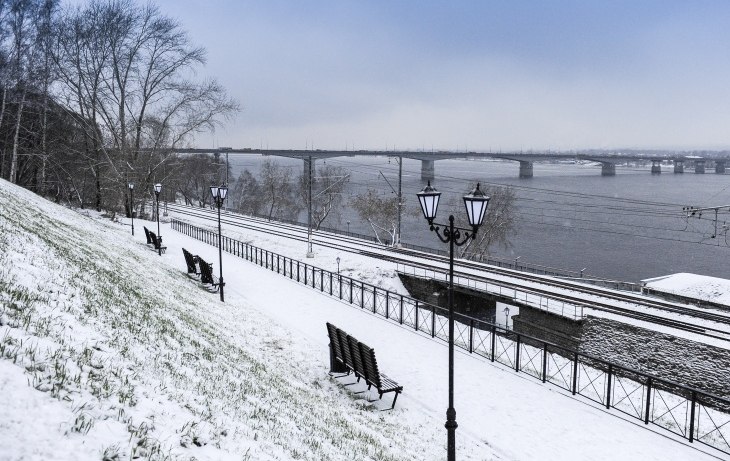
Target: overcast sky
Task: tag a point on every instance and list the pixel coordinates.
(477, 75)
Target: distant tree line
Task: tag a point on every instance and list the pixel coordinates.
(276, 193)
(93, 96)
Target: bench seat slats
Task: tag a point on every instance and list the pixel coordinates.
(360, 358)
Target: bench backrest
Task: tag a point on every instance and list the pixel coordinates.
(206, 276)
(189, 261)
(371, 365)
(345, 348)
(335, 341)
(147, 234)
(155, 240)
(356, 356)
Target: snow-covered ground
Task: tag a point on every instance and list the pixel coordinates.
(109, 350)
(703, 287)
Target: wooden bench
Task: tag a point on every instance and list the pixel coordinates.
(147, 234)
(206, 274)
(347, 354)
(157, 242)
(191, 261)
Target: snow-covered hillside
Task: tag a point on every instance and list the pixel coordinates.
(110, 351)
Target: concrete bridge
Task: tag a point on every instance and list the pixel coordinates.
(526, 161)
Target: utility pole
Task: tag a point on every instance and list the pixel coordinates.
(695, 211)
(310, 252)
(400, 196)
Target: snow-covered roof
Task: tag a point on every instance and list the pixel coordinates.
(703, 287)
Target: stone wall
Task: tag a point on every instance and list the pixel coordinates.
(693, 364)
(690, 363)
(548, 327)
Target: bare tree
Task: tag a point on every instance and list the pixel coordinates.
(246, 196)
(380, 212)
(328, 186)
(278, 193)
(126, 70)
(498, 225)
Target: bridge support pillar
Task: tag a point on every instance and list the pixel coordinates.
(427, 170)
(719, 166)
(306, 164)
(679, 166)
(525, 169)
(699, 167)
(656, 166)
(608, 169)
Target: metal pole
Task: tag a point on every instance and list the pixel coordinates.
(451, 412)
(400, 196)
(131, 207)
(220, 250)
(159, 238)
(310, 253)
(226, 176)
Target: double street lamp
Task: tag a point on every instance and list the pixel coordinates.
(158, 189)
(476, 203)
(219, 196)
(131, 203)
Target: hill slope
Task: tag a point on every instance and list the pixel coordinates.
(122, 357)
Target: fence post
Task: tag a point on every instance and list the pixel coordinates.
(321, 280)
(401, 310)
(648, 400)
(297, 271)
(330, 283)
(433, 321)
(544, 362)
(608, 386)
(375, 298)
(305, 274)
(692, 417)
(291, 267)
(350, 289)
(362, 295)
(517, 353)
(575, 373)
(415, 325)
(278, 264)
(339, 281)
(471, 336)
(494, 340)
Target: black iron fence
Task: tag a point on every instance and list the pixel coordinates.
(689, 413)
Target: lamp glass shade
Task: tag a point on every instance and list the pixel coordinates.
(130, 186)
(223, 191)
(214, 191)
(158, 188)
(429, 200)
(476, 203)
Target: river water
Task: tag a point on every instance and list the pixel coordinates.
(626, 227)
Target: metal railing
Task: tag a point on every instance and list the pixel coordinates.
(690, 413)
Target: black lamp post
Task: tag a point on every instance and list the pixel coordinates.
(131, 204)
(338, 265)
(476, 203)
(158, 189)
(219, 195)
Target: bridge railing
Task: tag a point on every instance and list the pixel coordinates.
(693, 414)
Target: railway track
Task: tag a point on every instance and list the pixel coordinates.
(553, 288)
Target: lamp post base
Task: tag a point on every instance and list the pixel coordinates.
(451, 434)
